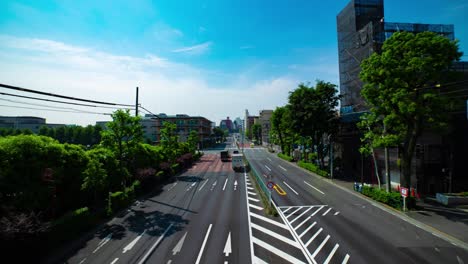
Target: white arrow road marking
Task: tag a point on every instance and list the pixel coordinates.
(235, 185)
(132, 244)
(103, 242)
(114, 261)
(224, 187)
(227, 248)
(148, 253)
(214, 184)
(267, 168)
(203, 245)
(178, 247)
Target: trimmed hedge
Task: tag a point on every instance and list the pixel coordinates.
(285, 157)
(313, 168)
(73, 223)
(392, 199)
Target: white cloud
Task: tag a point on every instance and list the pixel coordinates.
(196, 49)
(165, 86)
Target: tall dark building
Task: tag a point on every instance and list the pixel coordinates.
(361, 31)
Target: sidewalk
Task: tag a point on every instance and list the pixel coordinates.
(452, 221)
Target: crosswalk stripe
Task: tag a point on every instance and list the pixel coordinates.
(300, 215)
(277, 236)
(305, 231)
(253, 199)
(312, 238)
(293, 212)
(276, 251)
(330, 256)
(256, 207)
(268, 220)
(320, 247)
(252, 193)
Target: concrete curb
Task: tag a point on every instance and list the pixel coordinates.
(442, 235)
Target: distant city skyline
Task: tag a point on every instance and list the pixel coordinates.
(216, 60)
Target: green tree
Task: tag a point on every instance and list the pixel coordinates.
(257, 133)
(170, 141)
(400, 91)
(59, 133)
(44, 131)
(277, 125)
(192, 141)
(313, 114)
(123, 134)
(218, 133)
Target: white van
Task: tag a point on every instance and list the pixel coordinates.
(237, 162)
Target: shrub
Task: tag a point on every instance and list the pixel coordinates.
(118, 200)
(313, 168)
(285, 157)
(392, 199)
(73, 222)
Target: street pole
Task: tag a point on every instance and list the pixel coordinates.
(331, 160)
(136, 103)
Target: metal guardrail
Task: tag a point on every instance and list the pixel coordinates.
(260, 182)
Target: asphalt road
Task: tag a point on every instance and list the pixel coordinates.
(199, 218)
(334, 226)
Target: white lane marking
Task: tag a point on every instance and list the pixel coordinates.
(287, 210)
(175, 183)
(305, 231)
(269, 220)
(290, 188)
(303, 222)
(258, 260)
(269, 159)
(227, 248)
(317, 211)
(81, 262)
(300, 215)
(276, 251)
(282, 167)
(115, 260)
(148, 253)
(326, 212)
(321, 246)
(331, 254)
(267, 168)
(313, 237)
(248, 221)
(178, 247)
(299, 208)
(133, 243)
(277, 236)
(169, 261)
(314, 187)
(203, 245)
(253, 199)
(203, 185)
(214, 184)
(250, 188)
(235, 185)
(224, 187)
(345, 260)
(337, 213)
(256, 207)
(103, 242)
(191, 185)
(460, 261)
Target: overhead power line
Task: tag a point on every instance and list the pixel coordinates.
(147, 111)
(58, 95)
(54, 110)
(62, 102)
(43, 105)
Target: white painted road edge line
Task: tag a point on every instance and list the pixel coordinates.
(282, 167)
(345, 260)
(277, 236)
(330, 256)
(326, 212)
(115, 260)
(148, 253)
(290, 188)
(248, 221)
(321, 246)
(314, 187)
(224, 187)
(267, 168)
(276, 251)
(303, 213)
(203, 245)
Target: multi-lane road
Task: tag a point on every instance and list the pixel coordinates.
(211, 214)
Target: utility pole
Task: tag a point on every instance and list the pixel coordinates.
(136, 104)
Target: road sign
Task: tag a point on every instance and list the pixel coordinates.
(270, 185)
(404, 192)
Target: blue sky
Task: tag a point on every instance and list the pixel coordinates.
(210, 58)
